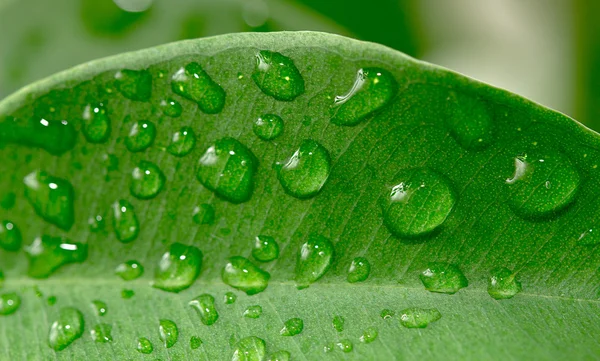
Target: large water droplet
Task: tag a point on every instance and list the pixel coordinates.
(9, 303)
(313, 261)
(345, 345)
(372, 90)
(249, 348)
(67, 328)
(141, 136)
(204, 214)
(195, 342)
(168, 333)
(10, 236)
(292, 327)
(205, 307)
(99, 307)
(147, 180)
(134, 84)
(129, 270)
(265, 249)
(243, 275)
(268, 126)
(306, 171)
(227, 168)
(51, 197)
(280, 356)
(369, 335)
(193, 83)
(144, 346)
(125, 222)
(359, 270)
(46, 254)
(96, 123)
(470, 122)
(443, 278)
(503, 284)
(171, 108)
(338, 323)
(102, 333)
(418, 203)
(178, 268)
(277, 76)
(54, 136)
(416, 317)
(182, 142)
(253, 311)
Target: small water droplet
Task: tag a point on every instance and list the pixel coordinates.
(345, 345)
(470, 122)
(67, 328)
(195, 342)
(171, 108)
(96, 223)
(99, 307)
(253, 311)
(46, 254)
(182, 142)
(416, 317)
(178, 268)
(229, 298)
(204, 214)
(134, 84)
(205, 307)
(313, 261)
(386, 314)
(147, 180)
(10, 236)
(503, 284)
(51, 197)
(102, 333)
(265, 249)
(338, 323)
(141, 136)
(249, 348)
(359, 270)
(243, 275)
(9, 303)
(268, 126)
(292, 327)
(306, 171)
(193, 83)
(280, 356)
(144, 346)
(443, 278)
(51, 300)
(168, 333)
(125, 222)
(369, 335)
(127, 294)
(277, 76)
(129, 270)
(54, 136)
(96, 123)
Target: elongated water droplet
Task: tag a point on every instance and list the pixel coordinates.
(147, 180)
(503, 284)
(229, 298)
(227, 168)
(470, 121)
(141, 136)
(280, 356)
(418, 203)
(253, 311)
(193, 83)
(96, 123)
(306, 171)
(345, 345)
(134, 84)
(204, 214)
(67, 328)
(102, 333)
(99, 307)
(144, 346)
(168, 333)
(9, 303)
(125, 222)
(127, 294)
(359, 270)
(195, 342)
(372, 90)
(265, 249)
(386, 314)
(268, 126)
(205, 307)
(416, 317)
(178, 268)
(249, 348)
(182, 142)
(243, 275)
(54, 136)
(338, 323)
(276, 75)
(292, 327)
(129, 270)
(443, 278)
(369, 335)
(313, 261)
(46, 254)
(51, 197)
(171, 108)
(10, 236)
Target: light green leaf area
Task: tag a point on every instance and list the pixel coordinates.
(394, 188)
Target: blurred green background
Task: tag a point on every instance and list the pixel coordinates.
(546, 50)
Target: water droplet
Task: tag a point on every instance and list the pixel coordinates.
(345, 345)
(46, 254)
(193, 83)
(386, 314)
(205, 307)
(127, 294)
(182, 142)
(134, 84)
(253, 312)
(147, 180)
(67, 328)
(280, 356)
(96, 223)
(314, 260)
(7, 201)
(418, 203)
(144, 346)
(249, 348)
(96, 123)
(204, 214)
(268, 126)
(265, 249)
(125, 221)
(9, 303)
(503, 284)
(338, 323)
(359, 270)
(51, 197)
(443, 278)
(369, 335)
(51, 300)
(54, 136)
(470, 122)
(168, 333)
(277, 76)
(99, 307)
(243, 275)
(306, 171)
(102, 333)
(543, 184)
(195, 342)
(141, 136)
(373, 89)
(229, 298)
(10, 236)
(227, 168)
(292, 327)
(171, 108)
(416, 317)
(129, 270)
(178, 268)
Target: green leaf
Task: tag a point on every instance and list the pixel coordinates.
(448, 220)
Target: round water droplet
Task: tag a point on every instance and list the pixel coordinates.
(141, 136)
(96, 223)
(306, 171)
(10, 236)
(178, 268)
(243, 275)
(503, 284)
(227, 168)
(205, 307)
(268, 127)
(101, 333)
(292, 327)
(265, 249)
(147, 180)
(129, 270)
(67, 328)
(46, 254)
(144, 346)
(51, 197)
(338, 323)
(171, 108)
(443, 278)
(127, 294)
(418, 203)
(416, 317)
(369, 335)
(387, 314)
(125, 222)
(470, 121)
(9, 303)
(277, 76)
(204, 214)
(168, 333)
(249, 348)
(373, 89)
(229, 298)
(345, 345)
(253, 311)
(54, 136)
(195, 342)
(182, 142)
(313, 261)
(359, 270)
(134, 84)
(96, 123)
(99, 307)
(193, 83)
(280, 356)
